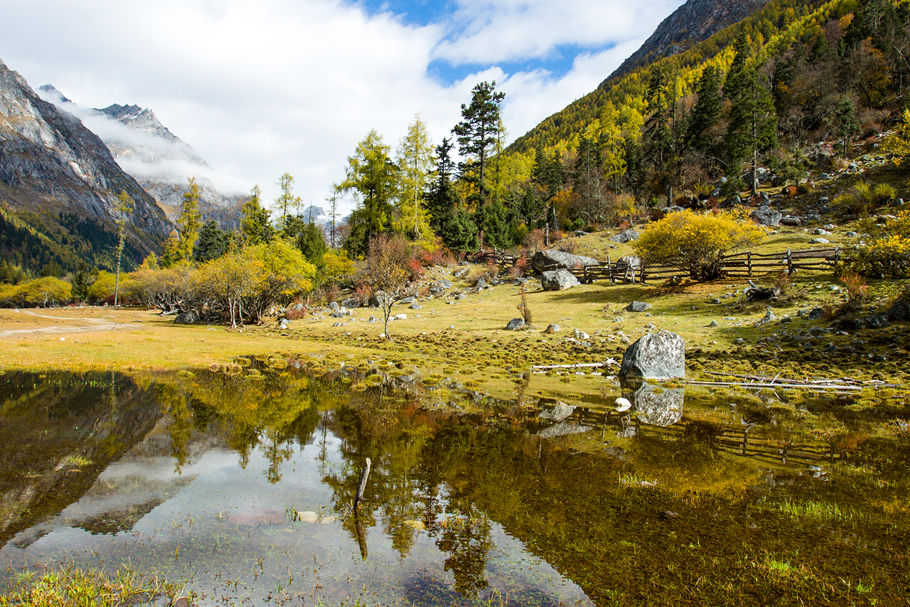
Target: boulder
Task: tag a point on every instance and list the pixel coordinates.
(351, 302)
(334, 305)
(515, 324)
(283, 323)
(558, 280)
(407, 300)
(767, 216)
(551, 258)
(900, 310)
(627, 235)
(660, 355)
(638, 306)
(789, 220)
(553, 328)
(187, 318)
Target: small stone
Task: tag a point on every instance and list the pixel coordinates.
(638, 306)
(712, 324)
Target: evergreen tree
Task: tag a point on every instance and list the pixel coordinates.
(255, 223)
(212, 243)
(586, 177)
(753, 120)
(477, 133)
(311, 243)
(189, 222)
(442, 198)
(496, 226)
(846, 126)
(374, 177)
(661, 135)
(459, 232)
(125, 206)
(706, 111)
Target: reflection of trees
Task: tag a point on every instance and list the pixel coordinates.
(466, 538)
(278, 411)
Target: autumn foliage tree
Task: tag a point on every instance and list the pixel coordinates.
(387, 273)
(697, 242)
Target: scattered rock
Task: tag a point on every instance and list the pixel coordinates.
(819, 241)
(558, 280)
(816, 313)
(400, 317)
(712, 324)
(563, 429)
(581, 335)
(658, 355)
(283, 323)
(767, 216)
(768, 318)
(638, 306)
(334, 305)
(789, 220)
(553, 328)
(416, 306)
(351, 302)
(480, 283)
(515, 324)
(627, 235)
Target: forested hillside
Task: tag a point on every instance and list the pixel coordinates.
(762, 92)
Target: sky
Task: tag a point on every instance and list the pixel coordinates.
(264, 87)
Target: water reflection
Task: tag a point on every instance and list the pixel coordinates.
(242, 486)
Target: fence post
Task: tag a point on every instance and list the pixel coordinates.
(749, 262)
(789, 262)
(641, 277)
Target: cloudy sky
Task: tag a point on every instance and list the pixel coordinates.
(263, 87)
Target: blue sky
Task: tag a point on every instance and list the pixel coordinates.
(273, 86)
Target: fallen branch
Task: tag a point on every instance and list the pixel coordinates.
(606, 363)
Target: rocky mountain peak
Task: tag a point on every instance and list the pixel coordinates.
(694, 21)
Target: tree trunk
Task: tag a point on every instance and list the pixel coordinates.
(117, 284)
(755, 171)
(387, 311)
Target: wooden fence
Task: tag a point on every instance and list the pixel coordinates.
(738, 265)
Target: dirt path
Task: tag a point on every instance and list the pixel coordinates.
(91, 324)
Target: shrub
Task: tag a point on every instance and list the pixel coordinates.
(883, 193)
(697, 242)
(38, 292)
(415, 269)
(102, 290)
(885, 250)
(337, 267)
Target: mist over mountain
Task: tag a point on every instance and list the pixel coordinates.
(59, 184)
(161, 162)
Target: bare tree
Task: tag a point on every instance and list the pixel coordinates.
(387, 272)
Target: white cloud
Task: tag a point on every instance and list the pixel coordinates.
(262, 88)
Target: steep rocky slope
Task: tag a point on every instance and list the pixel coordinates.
(60, 182)
(694, 21)
(159, 160)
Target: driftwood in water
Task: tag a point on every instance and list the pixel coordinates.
(605, 363)
(808, 383)
(362, 485)
(801, 385)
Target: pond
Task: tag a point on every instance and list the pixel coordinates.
(239, 484)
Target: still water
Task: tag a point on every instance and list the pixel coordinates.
(239, 484)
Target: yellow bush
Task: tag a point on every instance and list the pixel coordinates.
(337, 267)
(697, 242)
(886, 250)
(103, 288)
(38, 292)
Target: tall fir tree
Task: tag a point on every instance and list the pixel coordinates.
(477, 134)
(255, 222)
(213, 242)
(442, 200)
(706, 112)
(752, 129)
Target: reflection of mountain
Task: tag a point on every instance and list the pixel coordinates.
(158, 159)
(58, 437)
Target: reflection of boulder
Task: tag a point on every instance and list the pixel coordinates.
(122, 519)
(655, 405)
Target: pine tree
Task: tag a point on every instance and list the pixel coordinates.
(706, 111)
(189, 222)
(212, 243)
(752, 129)
(255, 223)
(845, 123)
(442, 198)
(311, 243)
(477, 133)
(125, 206)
